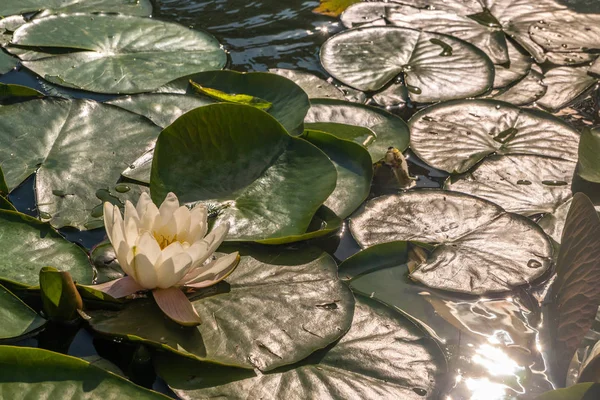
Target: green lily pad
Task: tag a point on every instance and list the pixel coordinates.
(240, 161)
(29, 372)
(565, 85)
(7, 63)
(589, 155)
(523, 184)
(106, 55)
(142, 8)
(6, 205)
(582, 391)
(524, 92)
(574, 300)
(314, 86)
(354, 171)
(383, 356)
(289, 102)
(431, 67)
(456, 135)
(7, 26)
(387, 129)
(276, 308)
(78, 149)
(221, 96)
(28, 245)
(3, 186)
(18, 318)
(479, 248)
(488, 38)
(10, 91)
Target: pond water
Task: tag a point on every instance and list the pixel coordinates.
(493, 344)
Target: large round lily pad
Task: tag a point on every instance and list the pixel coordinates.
(386, 130)
(28, 245)
(142, 8)
(275, 309)
(117, 53)
(240, 162)
(78, 149)
(289, 103)
(383, 356)
(522, 184)
(18, 318)
(456, 135)
(29, 373)
(430, 66)
(479, 248)
(354, 171)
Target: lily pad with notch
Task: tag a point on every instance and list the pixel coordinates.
(117, 53)
(277, 308)
(383, 355)
(71, 145)
(431, 67)
(478, 248)
(240, 162)
(381, 129)
(454, 136)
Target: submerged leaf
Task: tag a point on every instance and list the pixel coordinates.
(478, 247)
(575, 297)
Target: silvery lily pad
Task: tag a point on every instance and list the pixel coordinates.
(117, 53)
(385, 129)
(580, 34)
(142, 8)
(454, 136)
(526, 91)
(383, 356)
(314, 86)
(78, 149)
(7, 26)
(519, 66)
(429, 66)
(565, 85)
(275, 309)
(523, 184)
(478, 247)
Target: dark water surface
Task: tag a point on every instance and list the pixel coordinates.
(493, 345)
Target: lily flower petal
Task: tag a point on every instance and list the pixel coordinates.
(168, 207)
(118, 288)
(108, 219)
(213, 272)
(142, 203)
(150, 218)
(173, 269)
(174, 303)
(198, 225)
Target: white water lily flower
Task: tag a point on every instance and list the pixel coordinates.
(163, 249)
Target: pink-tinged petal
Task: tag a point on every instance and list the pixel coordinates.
(144, 272)
(130, 213)
(216, 237)
(175, 305)
(119, 287)
(142, 203)
(150, 218)
(168, 207)
(215, 271)
(198, 223)
(173, 269)
(108, 219)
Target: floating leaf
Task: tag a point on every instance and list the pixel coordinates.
(386, 130)
(78, 148)
(583, 391)
(232, 98)
(574, 297)
(60, 298)
(382, 356)
(7, 62)
(6, 205)
(142, 8)
(104, 258)
(142, 58)
(565, 85)
(289, 102)
(456, 135)
(589, 155)
(333, 8)
(17, 318)
(65, 377)
(479, 248)
(240, 161)
(432, 67)
(526, 91)
(10, 91)
(277, 308)
(28, 245)
(518, 68)
(354, 171)
(581, 34)
(7, 26)
(523, 184)
(314, 86)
